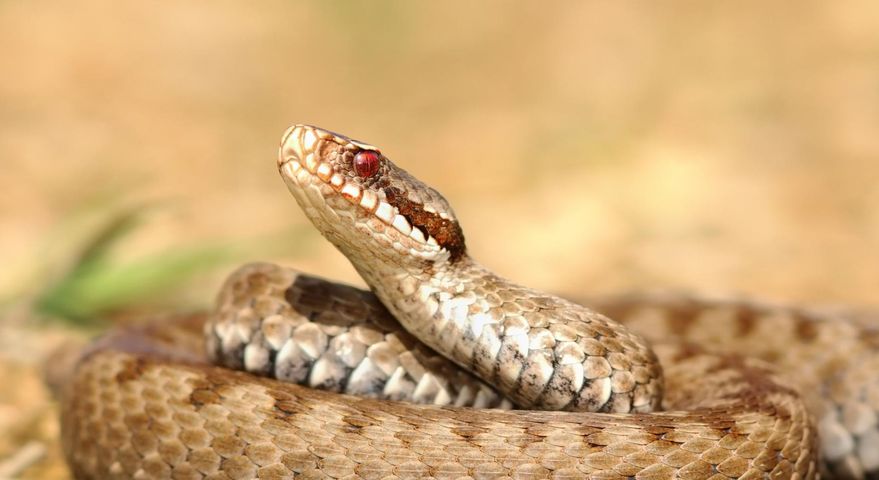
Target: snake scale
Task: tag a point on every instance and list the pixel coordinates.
(293, 376)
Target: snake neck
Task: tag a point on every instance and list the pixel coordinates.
(426, 298)
(541, 351)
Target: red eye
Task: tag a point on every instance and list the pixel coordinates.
(366, 163)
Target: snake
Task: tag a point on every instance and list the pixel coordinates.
(443, 369)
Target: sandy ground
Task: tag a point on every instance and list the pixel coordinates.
(586, 146)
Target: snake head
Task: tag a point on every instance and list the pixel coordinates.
(368, 207)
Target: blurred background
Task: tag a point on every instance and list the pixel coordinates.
(587, 147)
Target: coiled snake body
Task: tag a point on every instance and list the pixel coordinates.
(147, 402)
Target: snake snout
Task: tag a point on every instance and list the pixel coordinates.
(291, 146)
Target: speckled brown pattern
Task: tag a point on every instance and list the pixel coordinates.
(832, 357)
(284, 324)
(816, 351)
(141, 404)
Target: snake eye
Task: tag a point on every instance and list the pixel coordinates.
(366, 163)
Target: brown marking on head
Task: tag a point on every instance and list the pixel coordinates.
(448, 233)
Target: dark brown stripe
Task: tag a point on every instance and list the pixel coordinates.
(448, 233)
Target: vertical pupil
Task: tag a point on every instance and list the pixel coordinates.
(366, 163)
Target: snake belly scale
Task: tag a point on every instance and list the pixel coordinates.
(684, 397)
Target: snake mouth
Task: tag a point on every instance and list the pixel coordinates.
(299, 165)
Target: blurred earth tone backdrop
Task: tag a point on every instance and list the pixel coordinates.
(587, 147)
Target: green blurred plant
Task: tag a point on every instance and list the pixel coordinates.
(81, 275)
(96, 285)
